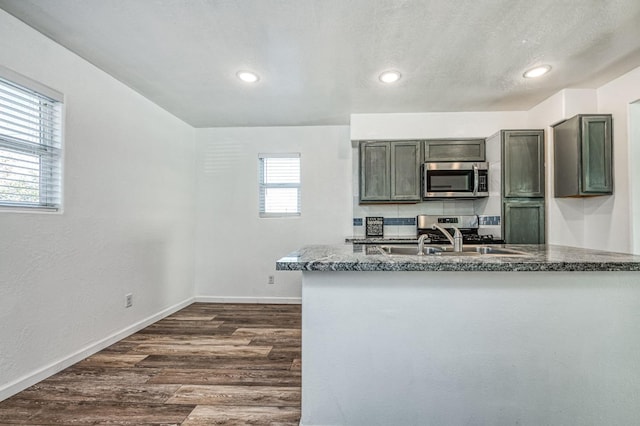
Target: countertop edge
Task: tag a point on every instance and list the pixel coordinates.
(459, 267)
(542, 258)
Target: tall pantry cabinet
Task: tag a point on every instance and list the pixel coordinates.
(523, 186)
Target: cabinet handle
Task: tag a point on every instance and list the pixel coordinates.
(476, 177)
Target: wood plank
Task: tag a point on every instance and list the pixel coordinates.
(228, 376)
(296, 365)
(119, 347)
(264, 396)
(191, 317)
(241, 307)
(26, 412)
(250, 309)
(89, 374)
(138, 339)
(285, 353)
(230, 315)
(204, 415)
(201, 325)
(227, 351)
(102, 359)
(276, 341)
(251, 323)
(203, 362)
(269, 332)
(100, 392)
(186, 328)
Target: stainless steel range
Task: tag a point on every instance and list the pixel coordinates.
(468, 226)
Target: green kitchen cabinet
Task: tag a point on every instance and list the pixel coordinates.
(523, 186)
(405, 170)
(445, 150)
(524, 221)
(390, 171)
(523, 163)
(375, 168)
(583, 157)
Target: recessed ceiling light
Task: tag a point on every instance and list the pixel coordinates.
(248, 76)
(390, 76)
(537, 71)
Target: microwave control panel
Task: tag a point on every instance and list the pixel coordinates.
(448, 220)
(482, 183)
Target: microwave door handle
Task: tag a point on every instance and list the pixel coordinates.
(476, 177)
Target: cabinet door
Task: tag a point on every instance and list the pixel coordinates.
(375, 169)
(405, 170)
(523, 163)
(524, 221)
(454, 150)
(596, 155)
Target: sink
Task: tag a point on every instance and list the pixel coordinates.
(488, 251)
(498, 251)
(409, 250)
(483, 251)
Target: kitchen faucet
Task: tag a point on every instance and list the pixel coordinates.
(456, 240)
(421, 244)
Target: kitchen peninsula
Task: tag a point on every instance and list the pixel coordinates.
(549, 337)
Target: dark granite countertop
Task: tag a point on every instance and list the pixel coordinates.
(382, 240)
(388, 240)
(356, 257)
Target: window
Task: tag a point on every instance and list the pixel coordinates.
(279, 177)
(30, 144)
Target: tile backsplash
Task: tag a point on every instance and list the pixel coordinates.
(400, 219)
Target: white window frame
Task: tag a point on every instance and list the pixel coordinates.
(48, 147)
(264, 186)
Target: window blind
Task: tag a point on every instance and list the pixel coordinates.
(279, 184)
(30, 148)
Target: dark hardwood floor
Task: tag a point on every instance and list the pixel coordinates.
(208, 364)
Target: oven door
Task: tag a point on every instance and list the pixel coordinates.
(452, 180)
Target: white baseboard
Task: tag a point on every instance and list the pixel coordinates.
(243, 299)
(31, 379)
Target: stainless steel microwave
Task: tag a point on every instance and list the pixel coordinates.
(455, 180)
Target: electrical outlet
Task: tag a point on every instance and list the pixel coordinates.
(272, 279)
(128, 300)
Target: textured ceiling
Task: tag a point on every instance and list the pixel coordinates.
(319, 59)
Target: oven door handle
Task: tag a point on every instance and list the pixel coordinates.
(476, 177)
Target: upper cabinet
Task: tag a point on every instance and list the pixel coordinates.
(405, 170)
(454, 150)
(390, 171)
(375, 166)
(583, 156)
(523, 163)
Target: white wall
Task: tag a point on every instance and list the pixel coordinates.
(616, 218)
(604, 222)
(634, 174)
(236, 250)
(434, 125)
(127, 224)
(565, 217)
(466, 348)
